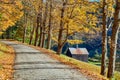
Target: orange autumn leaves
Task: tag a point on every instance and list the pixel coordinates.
(6, 62)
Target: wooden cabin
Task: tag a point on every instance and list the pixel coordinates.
(78, 53)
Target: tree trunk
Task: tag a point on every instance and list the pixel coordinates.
(25, 28)
(32, 33)
(41, 36)
(67, 30)
(37, 27)
(8, 34)
(44, 24)
(113, 44)
(50, 28)
(41, 26)
(59, 50)
(2, 36)
(104, 41)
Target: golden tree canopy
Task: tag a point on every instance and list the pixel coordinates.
(10, 12)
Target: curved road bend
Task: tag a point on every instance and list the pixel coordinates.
(31, 64)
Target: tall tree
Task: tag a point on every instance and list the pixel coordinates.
(32, 32)
(25, 28)
(28, 9)
(114, 37)
(37, 31)
(73, 20)
(34, 10)
(49, 27)
(41, 24)
(44, 24)
(59, 50)
(104, 40)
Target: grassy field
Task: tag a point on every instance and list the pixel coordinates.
(6, 62)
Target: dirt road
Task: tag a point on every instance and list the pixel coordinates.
(31, 64)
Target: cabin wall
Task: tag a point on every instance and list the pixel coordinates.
(80, 57)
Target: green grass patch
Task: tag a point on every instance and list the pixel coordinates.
(92, 67)
(1, 66)
(117, 75)
(81, 64)
(3, 47)
(95, 63)
(1, 53)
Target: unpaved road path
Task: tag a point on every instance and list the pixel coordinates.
(31, 64)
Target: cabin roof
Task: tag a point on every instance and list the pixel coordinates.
(78, 51)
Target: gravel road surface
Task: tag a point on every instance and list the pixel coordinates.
(31, 64)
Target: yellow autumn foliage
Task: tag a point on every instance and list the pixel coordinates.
(11, 12)
(76, 19)
(75, 41)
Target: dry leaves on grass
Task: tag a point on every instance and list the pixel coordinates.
(6, 62)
